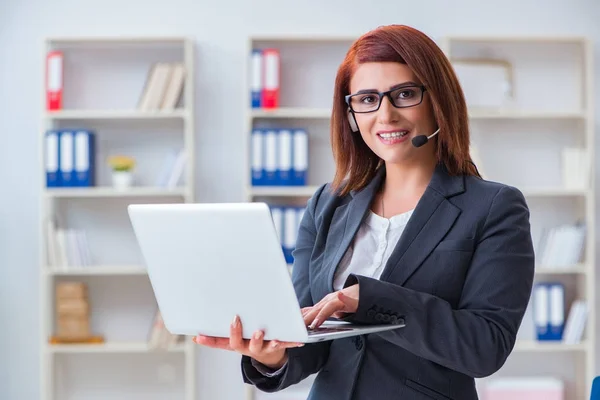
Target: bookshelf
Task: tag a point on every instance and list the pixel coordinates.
(547, 106)
(103, 85)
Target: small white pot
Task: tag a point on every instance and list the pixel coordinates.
(122, 179)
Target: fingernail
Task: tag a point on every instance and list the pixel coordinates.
(257, 335)
(235, 321)
(300, 344)
(275, 343)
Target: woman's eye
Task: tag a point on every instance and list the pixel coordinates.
(406, 94)
(368, 99)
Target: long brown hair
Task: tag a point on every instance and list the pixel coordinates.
(354, 161)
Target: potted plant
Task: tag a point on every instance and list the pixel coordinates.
(122, 170)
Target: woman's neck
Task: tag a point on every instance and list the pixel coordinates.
(403, 181)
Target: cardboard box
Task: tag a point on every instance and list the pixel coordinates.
(72, 307)
(73, 327)
(71, 290)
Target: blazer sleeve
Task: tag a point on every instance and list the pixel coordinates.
(309, 359)
(477, 337)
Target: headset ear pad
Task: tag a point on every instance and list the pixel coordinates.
(352, 121)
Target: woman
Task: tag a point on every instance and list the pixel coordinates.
(407, 231)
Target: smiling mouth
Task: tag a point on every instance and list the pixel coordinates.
(393, 135)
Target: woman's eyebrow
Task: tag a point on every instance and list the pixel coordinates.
(397, 86)
(401, 85)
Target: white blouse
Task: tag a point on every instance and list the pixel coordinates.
(372, 247)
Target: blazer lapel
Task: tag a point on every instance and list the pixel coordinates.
(344, 226)
(432, 219)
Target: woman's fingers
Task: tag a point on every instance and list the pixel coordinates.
(256, 343)
(236, 342)
(334, 304)
(214, 342)
(311, 314)
(305, 310)
(256, 347)
(287, 345)
(330, 308)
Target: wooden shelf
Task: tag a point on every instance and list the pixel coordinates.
(115, 115)
(539, 346)
(110, 347)
(555, 192)
(529, 39)
(299, 38)
(292, 112)
(578, 269)
(520, 114)
(108, 270)
(283, 191)
(109, 191)
(118, 40)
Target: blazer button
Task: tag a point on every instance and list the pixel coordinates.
(393, 319)
(386, 318)
(378, 317)
(371, 313)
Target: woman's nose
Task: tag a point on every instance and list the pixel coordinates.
(387, 113)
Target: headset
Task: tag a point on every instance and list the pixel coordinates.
(352, 121)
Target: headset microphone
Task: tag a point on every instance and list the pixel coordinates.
(420, 140)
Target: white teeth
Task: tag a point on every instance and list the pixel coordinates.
(391, 135)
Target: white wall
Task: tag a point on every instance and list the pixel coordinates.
(220, 29)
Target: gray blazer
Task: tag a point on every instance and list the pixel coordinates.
(460, 277)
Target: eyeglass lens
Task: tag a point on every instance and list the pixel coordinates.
(401, 97)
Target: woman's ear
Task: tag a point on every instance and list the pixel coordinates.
(352, 121)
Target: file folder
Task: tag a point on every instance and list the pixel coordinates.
(54, 80)
(300, 168)
(84, 158)
(557, 311)
(270, 159)
(284, 152)
(52, 151)
(256, 78)
(270, 92)
(540, 310)
(548, 311)
(67, 158)
(257, 158)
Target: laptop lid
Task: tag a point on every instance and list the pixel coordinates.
(209, 262)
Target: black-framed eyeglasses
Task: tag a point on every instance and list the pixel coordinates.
(401, 97)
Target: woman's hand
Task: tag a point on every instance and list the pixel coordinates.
(270, 353)
(335, 304)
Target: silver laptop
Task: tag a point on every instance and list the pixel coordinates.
(210, 262)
